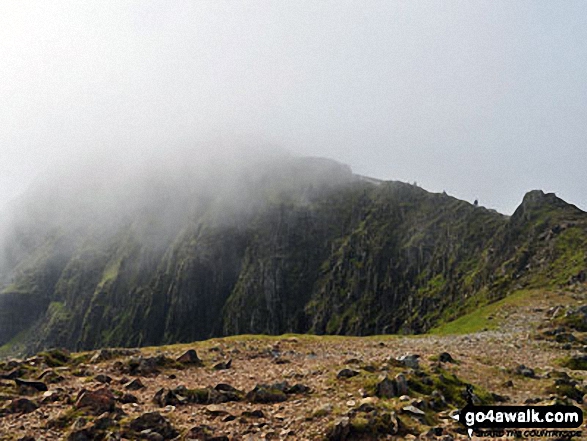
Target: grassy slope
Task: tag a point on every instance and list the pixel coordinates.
(489, 316)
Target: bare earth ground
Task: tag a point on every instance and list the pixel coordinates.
(487, 359)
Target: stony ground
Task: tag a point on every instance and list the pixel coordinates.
(298, 387)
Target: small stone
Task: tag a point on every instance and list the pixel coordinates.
(386, 388)
(410, 361)
(189, 357)
(135, 384)
(445, 357)
(97, 401)
(101, 355)
(50, 376)
(340, 431)
(36, 385)
(155, 422)
(325, 409)
(222, 365)
(297, 388)
(401, 384)
(525, 371)
(266, 394)
(216, 411)
(102, 378)
(253, 414)
(128, 399)
(165, 397)
(22, 406)
(347, 373)
(413, 410)
(369, 401)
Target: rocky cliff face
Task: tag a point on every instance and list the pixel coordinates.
(303, 247)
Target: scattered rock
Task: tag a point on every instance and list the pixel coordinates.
(525, 371)
(347, 373)
(166, 397)
(263, 393)
(413, 410)
(54, 395)
(50, 376)
(128, 399)
(445, 357)
(108, 354)
(135, 384)
(323, 410)
(189, 357)
(253, 414)
(22, 406)
(229, 392)
(204, 433)
(215, 411)
(145, 365)
(222, 365)
(576, 362)
(340, 431)
(36, 385)
(386, 388)
(297, 388)
(499, 398)
(85, 434)
(97, 401)
(103, 378)
(410, 361)
(101, 355)
(154, 422)
(401, 384)
(14, 373)
(437, 400)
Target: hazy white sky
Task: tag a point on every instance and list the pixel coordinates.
(483, 99)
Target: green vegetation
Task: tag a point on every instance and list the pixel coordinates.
(55, 357)
(485, 317)
(574, 363)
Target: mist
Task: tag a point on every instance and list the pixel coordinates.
(485, 100)
(155, 192)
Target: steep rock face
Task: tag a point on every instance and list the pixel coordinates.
(197, 280)
(402, 264)
(285, 259)
(304, 247)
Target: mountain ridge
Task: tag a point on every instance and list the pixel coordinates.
(303, 246)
